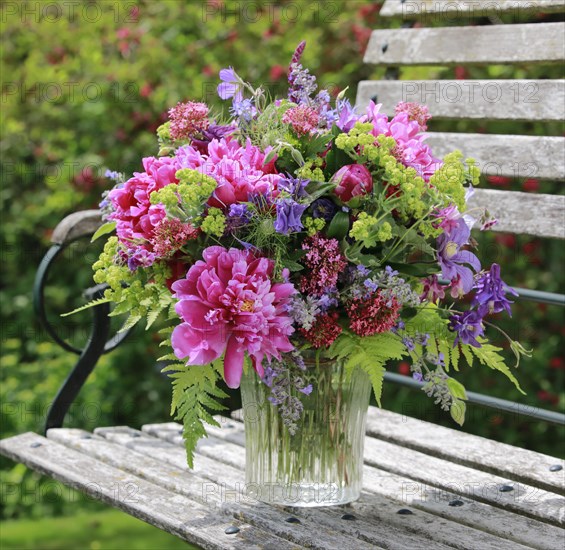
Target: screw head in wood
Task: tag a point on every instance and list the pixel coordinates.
(35, 445)
(384, 47)
(292, 519)
(456, 502)
(231, 530)
(505, 488)
(555, 468)
(348, 517)
(405, 512)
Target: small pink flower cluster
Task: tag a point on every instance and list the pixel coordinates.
(324, 331)
(324, 262)
(170, 235)
(188, 119)
(416, 112)
(303, 119)
(373, 315)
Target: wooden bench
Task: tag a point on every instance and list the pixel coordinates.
(425, 486)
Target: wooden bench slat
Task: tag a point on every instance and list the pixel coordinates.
(377, 508)
(505, 155)
(468, 45)
(467, 8)
(523, 213)
(147, 457)
(498, 458)
(151, 503)
(538, 100)
(425, 496)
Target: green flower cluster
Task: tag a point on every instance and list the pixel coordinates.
(214, 223)
(368, 230)
(186, 199)
(138, 293)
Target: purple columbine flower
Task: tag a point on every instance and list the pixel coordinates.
(214, 131)
(491, 292)
(139, 257)
(289, 213)
(230, 85)
(347, 115)
(238, 216)
(295, 187)
(451, 257)
(469, 326)
(324, 208)
(433, 291)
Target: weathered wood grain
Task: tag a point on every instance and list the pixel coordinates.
(452, 9)
(77, 225)
(523, 213)
(470, 450)
(171, 512)
(506, 155)
(468, 45)
(430, 499)
(539, 100)
(376, 508)
(148, 458)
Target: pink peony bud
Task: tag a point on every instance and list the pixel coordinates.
(352, 180)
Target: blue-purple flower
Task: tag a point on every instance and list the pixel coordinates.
(295, 187)
(451, 258)
(491, 292)
(469, 326)
(230, 85)
(324, 208)
(289, 213)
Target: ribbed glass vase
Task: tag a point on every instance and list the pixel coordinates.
(322, 463)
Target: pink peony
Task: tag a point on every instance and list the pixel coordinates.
(135, 216)
(229, 305)
(352, 180)
(239, 170)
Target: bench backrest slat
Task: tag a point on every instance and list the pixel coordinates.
(407, 9)
(529, 42)
(540, 100)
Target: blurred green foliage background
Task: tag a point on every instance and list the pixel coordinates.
(84, 86)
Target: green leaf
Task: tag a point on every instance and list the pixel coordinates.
(108, 227)
(93, 303)
(292, 265)
(456, 389)
(339, 226)
(457, 411)
(488, 355)
(467, 354)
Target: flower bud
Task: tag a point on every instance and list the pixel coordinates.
(351, 181)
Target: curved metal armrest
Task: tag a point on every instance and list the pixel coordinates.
(73, 227)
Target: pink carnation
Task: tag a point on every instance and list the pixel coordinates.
(229, 305)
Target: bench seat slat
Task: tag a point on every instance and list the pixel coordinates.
(135, 455)
(473, 8)
(523, 213)
(426, 497)
(378, 510)
(469, 45)
(506, 155)
(538, 100)
(151, 503)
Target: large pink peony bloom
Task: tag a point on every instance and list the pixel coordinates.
(230, 306)
(239, 170)
(135, 216)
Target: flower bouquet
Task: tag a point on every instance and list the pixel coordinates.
(297, 247)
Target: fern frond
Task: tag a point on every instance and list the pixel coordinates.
(90, 304)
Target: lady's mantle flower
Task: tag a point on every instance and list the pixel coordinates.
(468, 326)
(451, 258)
(491, 292)
(230, 306)
(188, 119)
